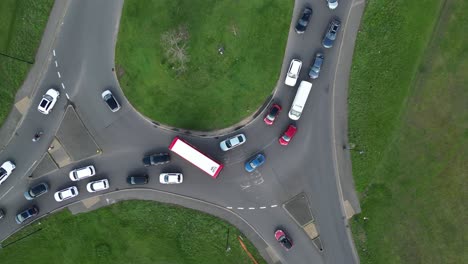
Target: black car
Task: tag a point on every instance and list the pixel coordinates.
(110, 100)
(315, 68)
(156, 159)
(36, 191)
(303, 21)
(26, 214)
(332, 31)
(137, 180)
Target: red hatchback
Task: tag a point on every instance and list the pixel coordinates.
(272, 114)
(287, 135)
(283, 239)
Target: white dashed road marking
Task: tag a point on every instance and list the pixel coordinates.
(229, 207)
(56, 64)
(68, 97)
(240, 208)
(273, 206)
(58, 73)
(262, 207)
(251, 208)
(63, 86)
(54, 52)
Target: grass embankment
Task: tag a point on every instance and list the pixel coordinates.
(409, 114)
(216, 90)
(22, 23)
(129, 232)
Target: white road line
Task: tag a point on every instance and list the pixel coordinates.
(7, 192)
(273, 206)
(56, 64)
(251, 208)
(229, 207)
(68, 97)
(63, 86)
(240, 208)
(58, 73)
(262, 207)
(53, 52)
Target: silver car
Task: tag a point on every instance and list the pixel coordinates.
(232, 142)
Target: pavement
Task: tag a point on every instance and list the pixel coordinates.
(77, 55)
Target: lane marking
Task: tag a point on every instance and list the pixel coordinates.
(58, 73)
(56, 64)
(262, 207)
(53, 52)
(240, 208)
(273, 206)
(63, 86)
(7, 192)
(251, 208)
(68, 97)
(229, 207)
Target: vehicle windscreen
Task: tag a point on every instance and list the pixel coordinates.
(111, 102)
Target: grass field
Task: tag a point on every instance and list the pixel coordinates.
(412, 178)
(216, 90)
(21, 25)
(128, 232)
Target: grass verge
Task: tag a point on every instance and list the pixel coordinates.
(129, 232)
(414, 130)
(22, 23)
(216, 90)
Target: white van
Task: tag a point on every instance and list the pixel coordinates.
(300, 100)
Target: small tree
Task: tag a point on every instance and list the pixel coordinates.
(174, 43)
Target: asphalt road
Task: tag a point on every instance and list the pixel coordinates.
(84, 52)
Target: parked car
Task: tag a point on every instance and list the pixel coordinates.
(332, 31)
(156, 159)
(232, 142)
(66, 194)
(48, 101)
(255, 162)
(26, 214)
(315, 68)
(96, 186)
(332, 4)
(171, 178)
(303, 21)
(283, 239)
(137, 180)
(36, 191)
(5, 170)
(110, 100)
(82, 173)
(272, 114)
(287, 135)
(2, 214)
(293, 72)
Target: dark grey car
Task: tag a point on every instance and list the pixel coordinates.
(156, 159)
(315, 68)
(138, 180)
(36, 191)
(26, 214)
(303, 21)
(332, 31)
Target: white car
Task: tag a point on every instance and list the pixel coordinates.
(332, 4)
(293, 72)
(82, 173)
(171, 178)
(48, 101)
(5, 170)
(110, 100)
(232, 142)
(66, 194)
(97, 186)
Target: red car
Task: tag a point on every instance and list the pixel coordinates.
(272, 114)
(287, 135)
(283, 239)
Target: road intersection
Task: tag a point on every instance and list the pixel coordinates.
(81, 66)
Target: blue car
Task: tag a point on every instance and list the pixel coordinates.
(255, 162)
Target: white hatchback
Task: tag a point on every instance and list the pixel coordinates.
(96, 186)
(66, 194)
(232, 142)
(48, 101)
(293, 72)
(171, 178)
(82, 173)
(5, 170)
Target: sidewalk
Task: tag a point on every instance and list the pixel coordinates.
(26, 92)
